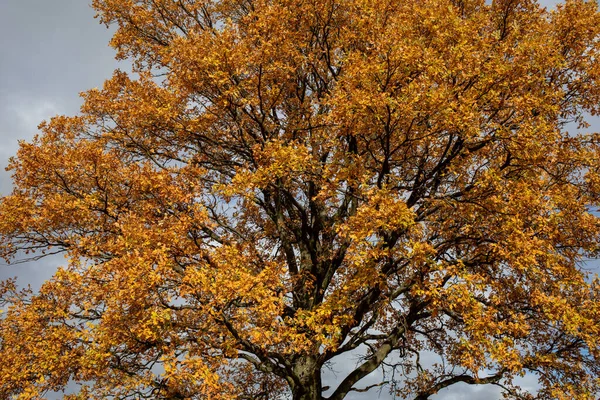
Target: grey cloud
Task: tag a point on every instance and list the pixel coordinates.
(49, 52)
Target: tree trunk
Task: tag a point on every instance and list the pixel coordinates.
(308, 373)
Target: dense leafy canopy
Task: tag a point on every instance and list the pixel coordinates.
(281, 183)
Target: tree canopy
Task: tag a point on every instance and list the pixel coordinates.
(281, 183)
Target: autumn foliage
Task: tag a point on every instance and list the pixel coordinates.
(283, 183)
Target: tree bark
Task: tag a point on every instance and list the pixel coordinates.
(307, 372)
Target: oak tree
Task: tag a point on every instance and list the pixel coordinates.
(282, 184)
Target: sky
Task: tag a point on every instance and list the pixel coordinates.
(50, 51)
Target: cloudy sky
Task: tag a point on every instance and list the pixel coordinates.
(50, 50)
